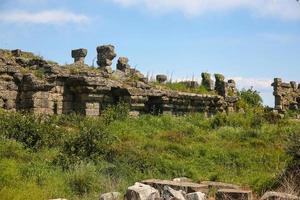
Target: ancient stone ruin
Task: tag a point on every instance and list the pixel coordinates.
(30, 83)
(287, 95)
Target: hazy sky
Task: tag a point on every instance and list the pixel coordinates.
(252, 41)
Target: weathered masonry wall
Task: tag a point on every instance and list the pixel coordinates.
(287, 95)
(29, 83)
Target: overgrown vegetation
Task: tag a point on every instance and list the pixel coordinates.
(75, 157)
(182, 87)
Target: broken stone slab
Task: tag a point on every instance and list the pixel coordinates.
(279, 196)
(169, 193)
(196, 196)
(233, 194)
(110, 196)
(182, 179)
(219, 185)
(141, 191)
(187, 187)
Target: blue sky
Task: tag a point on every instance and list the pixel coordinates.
(252, 41)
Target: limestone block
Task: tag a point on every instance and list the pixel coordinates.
(79, 55)
(188, 187)
(233, 194)
(141, 191)
(196, 196)
(219, 185)
(106, 54)
(170, 193)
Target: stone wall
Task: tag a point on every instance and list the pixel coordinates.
(287, 95)
(29, 83)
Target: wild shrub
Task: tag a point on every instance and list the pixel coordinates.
(34, 131)
(249, 98)
(117, 112)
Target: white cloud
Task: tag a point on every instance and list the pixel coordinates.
(256, 83)
(43, 17)
(283, 9)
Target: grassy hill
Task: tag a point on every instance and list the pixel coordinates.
(75, 157)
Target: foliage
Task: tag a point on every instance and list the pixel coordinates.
(76, 157)
(182, 87)
(249, 98)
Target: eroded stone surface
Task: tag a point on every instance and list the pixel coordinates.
(233, 194)
(279, 196)
(287, 95)
(29, 83)
(141, 191)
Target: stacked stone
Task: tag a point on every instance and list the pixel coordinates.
(287, 95)
(8, 91)
(106, 54)
(161, 78)
(220, 86)
(79, 55)
(123, 65)
(207, 82)
(231, 86)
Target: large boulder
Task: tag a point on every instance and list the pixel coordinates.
(141, 191)
(279, 196)
(110, 196)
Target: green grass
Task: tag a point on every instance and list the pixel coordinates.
(181, 87)
(78, 158)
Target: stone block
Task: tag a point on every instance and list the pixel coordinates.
(196, 196)
(233, 194)
(141, 191)
(161, 78)
(220, 185)
(188, 187)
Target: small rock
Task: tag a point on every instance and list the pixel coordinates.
(110, 196)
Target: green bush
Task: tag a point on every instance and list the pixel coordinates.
(249, 98)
